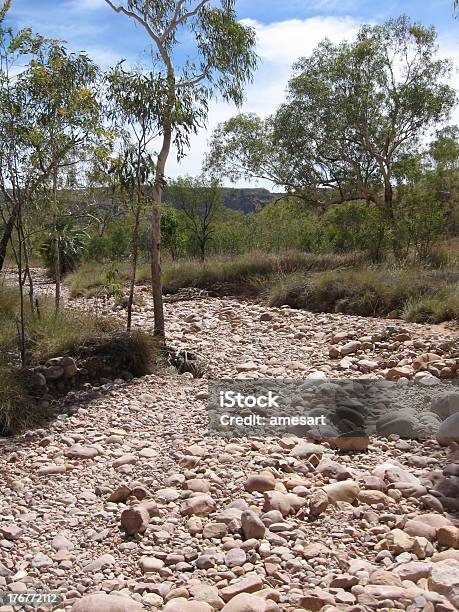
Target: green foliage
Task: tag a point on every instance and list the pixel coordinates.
(201, 203)
(112, 285)
(71, 240)
(355, 112)
(172, 234)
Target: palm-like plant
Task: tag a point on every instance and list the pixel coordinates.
(72, 242)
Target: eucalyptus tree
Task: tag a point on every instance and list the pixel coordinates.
(200, 200)
(62, 124)
(133, 106)
(221, 60)
(49, 115)
(353, 110)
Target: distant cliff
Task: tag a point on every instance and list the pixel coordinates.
(247, 200)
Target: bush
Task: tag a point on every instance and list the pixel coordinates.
(72, 242)
(238, 271)
(18, 411)
(69, 332)
(433, 309)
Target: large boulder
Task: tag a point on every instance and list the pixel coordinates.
(444, 579)
(449, 429)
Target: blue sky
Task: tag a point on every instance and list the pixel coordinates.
(286, 29)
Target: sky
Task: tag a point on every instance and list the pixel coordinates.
(286, 30)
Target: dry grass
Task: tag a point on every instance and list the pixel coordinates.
(236, 274)
(49, 335)
(416, 295)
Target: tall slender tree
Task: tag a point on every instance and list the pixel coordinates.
(222, 61)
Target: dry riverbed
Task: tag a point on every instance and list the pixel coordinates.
(126, 498)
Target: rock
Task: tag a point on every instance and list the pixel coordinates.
(209, 594)
(426, 525)
(448, 536)
(303, 450)
(135, 520)
(399, 541)
(446, 554)
(60, 542)
(128, 459)
(401, 424)
(249, 603)
(373, 498)
(70, 367)
(198, 485)
(100, 602)
(350, 347)
(40, 560)
(194, 525)
(449, 430)
(52, 468)
(151, 564)
(260, 482)
(446, 405)
(344, 581)
(315, 599)
(444, 579)
(235, 557)
(275, 500)
(314, 550)
(201, 505)
(424, 360)
(432, 503)
(11, 532)
(215, 530)
(345, 490)
(252, 525)
(180, 604)
(383, 592)
(99, 563)
(79, 451)
(318, 503)
(399, 372)
(167, 495)
(120, 494)
(248, 366)
(384, 578)
(53, 372)
(247, 585)
(413, 570)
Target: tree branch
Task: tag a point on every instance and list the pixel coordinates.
(132, 15)
(176, 20)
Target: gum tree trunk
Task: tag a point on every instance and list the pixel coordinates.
(156, 276)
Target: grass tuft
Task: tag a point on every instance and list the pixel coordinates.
(413, 294)
(48, 335)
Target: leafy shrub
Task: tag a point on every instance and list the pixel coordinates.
(72, 242)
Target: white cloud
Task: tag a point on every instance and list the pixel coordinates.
(86, 5)
(285, 41)
(280, 44)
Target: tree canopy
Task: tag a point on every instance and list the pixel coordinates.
(352, 110)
